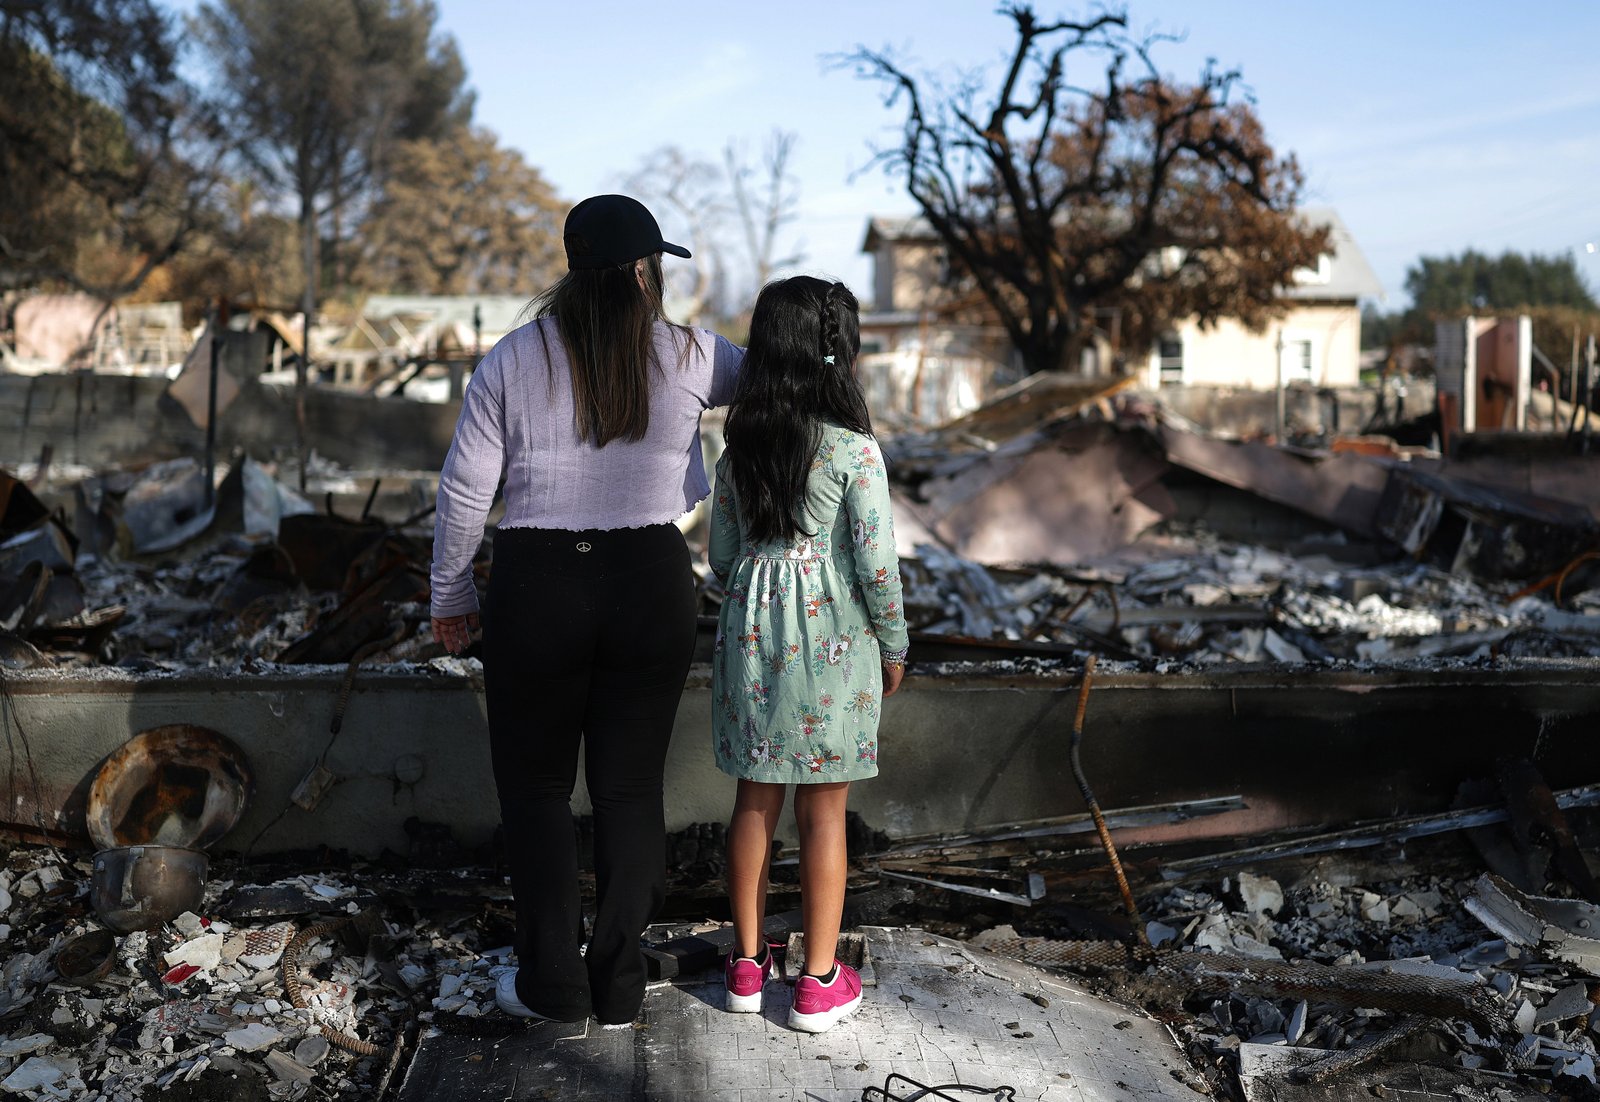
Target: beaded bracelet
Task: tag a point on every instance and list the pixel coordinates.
(894, 657)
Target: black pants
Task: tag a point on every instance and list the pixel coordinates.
(587, 636)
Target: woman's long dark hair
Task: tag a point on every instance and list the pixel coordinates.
(607, 322)
(798, 373)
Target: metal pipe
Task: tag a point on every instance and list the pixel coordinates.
(1094, 807)
(215, 336)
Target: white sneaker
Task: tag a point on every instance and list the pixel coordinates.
(505, 997)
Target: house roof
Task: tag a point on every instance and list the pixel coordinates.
(1349, 274)
(913, 228)
(500, 313)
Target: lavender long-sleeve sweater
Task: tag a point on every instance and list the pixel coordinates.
(516, 424)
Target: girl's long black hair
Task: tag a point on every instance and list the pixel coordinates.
(788, 389)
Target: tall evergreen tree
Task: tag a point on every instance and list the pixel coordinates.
(322, 92)
(463, 215)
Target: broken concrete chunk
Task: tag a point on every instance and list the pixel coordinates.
(1260, 894)
(264, 947)
(1524, 1017)
(1159, 933)
(287, 1068)
(22, 1046)
(1557, 929)
(1577, 1067)
(40, 1073)
(312, 1050)
(1571, 1001)
(253, 1037)
(1295, 1028)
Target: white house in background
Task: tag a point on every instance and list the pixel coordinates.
(1318, 339)
(919, 367)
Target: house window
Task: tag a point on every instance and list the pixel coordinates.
(871, 347)
(1297, 361)
(1169, 356)
(1320, 275)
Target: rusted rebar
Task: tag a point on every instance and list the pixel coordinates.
(1094, 807)
(297, 999)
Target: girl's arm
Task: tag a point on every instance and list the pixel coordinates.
(723, 545)
(866, 501)
(472, 470)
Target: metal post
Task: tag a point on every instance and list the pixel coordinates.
(1278, 433)
(1587, 397)
(214, 332)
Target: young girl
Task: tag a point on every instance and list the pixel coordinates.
(810, 639)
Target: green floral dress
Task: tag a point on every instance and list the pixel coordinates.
(795, 678)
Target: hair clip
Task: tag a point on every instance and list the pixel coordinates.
(828, 360)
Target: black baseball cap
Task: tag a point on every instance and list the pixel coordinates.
(605, 231)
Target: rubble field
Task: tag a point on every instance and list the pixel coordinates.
(1324, 971)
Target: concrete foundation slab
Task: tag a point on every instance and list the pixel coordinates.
(962, 752)
(942, 1013)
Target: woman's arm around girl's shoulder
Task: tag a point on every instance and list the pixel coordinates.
(726, 358)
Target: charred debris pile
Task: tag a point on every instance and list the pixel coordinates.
(1455, 957)
(1042, 526)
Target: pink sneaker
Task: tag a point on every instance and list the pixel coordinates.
(744, 980)
(818, 1006)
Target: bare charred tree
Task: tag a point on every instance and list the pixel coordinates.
(766, 199)
(689, 191)
(1125, 197)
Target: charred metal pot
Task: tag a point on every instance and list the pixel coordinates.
(140, 887)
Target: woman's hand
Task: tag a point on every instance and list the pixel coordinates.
(893, 674)
(454, 633)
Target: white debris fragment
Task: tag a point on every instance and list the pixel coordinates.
(253, 1037)
(1260, 894)
(21, 1046)
(287, 1068)
(1159, 933)
(1577, 1067)
(204, 952)
(39, 1073)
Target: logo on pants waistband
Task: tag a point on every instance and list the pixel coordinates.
(584, 546)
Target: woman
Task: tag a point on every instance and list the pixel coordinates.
(590, 415)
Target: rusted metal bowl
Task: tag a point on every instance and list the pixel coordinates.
(85, 960)
(140, 887)
(179, 785)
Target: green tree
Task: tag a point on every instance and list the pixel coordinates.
(1475, 281)
(460, 215)
(1140, 200)
(322, 93)
(100, 145)
(1551, 288)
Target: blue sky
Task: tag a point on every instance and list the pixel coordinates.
(1431, 126)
